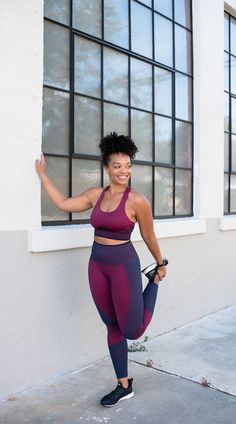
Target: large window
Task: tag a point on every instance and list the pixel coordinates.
(230, 115)
(124, 66)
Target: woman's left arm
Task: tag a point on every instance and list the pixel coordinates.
(144, 217)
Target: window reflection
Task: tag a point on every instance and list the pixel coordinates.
(56, 55)
(58, 172)
(141, 27)
(226, 112)
(233, 152)
(142, 180)
(183, 12)
(226, 152)
(233, 36)
(183, 49)
(163, 91)
(226, 193)
(115, 119)
(163, 40)
(115, 76)
(164, 7)
(183, 97)
(85, 174)
(226, 31)
(141, 84)
(233, 115)
(226, 71)
(163, 191)
(87, 67)
(87, 125)
(233, 74)
(183, 192)
(87, 16)
(233, 193)
(55, 122)
(183, 144)
(116, 22)
(141, 132)
(163, 139)
(58, 10)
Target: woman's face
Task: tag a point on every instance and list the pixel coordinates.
(119, 168)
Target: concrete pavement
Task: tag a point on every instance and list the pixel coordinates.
(167, 392)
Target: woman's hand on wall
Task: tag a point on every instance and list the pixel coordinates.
(41, 165)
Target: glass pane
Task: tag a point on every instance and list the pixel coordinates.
(233, 115)
(55, 131)
(183, 191)
(163, 40)
(163, 139)
(142, 180)
(147, 2)
(141, 84)
(85, 174)
(163, 192)
(226, 193)
(58, 10)
(115, 119)
(87, 125)
(56, 55)
(164, 6)
(183, 144)
(226, 111)
(115, 76)
(183, 56)
(226, 152)
(163, 91)
(233, 75)
(141, 132)
(141, 40)
(87, 16)
(116, 20)
(233, 36)
(226, 71)
(58, 172)
(226, 36)
(233, 152)
(87, 67)
(183, 12)
(233, 193)
(183, 97)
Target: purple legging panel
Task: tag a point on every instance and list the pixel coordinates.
(116, 287)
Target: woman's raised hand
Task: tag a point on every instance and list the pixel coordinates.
(41, 165)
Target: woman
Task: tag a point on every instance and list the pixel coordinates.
(114, 267)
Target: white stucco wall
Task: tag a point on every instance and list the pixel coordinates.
(21, 38)
(49, 324)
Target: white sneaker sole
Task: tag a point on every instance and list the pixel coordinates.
(149, 268)
(130, 395)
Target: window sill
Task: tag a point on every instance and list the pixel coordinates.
(227, 223)
(45, 239)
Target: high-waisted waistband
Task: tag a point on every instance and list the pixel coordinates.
(113, 254)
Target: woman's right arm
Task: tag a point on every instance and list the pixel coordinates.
(72, 204)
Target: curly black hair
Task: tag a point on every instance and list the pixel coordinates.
(114, 143)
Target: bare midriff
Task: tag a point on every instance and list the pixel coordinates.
(111, 242)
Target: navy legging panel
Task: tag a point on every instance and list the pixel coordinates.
(116, 286)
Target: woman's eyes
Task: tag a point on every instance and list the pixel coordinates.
(118, 167)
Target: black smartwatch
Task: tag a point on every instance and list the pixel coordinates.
(164, 263)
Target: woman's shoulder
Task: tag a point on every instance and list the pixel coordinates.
(137, 198)
(93, 193)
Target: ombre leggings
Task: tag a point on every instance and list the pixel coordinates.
(116, 286)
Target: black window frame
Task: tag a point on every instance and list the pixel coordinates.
(103, 43)
(230, 172)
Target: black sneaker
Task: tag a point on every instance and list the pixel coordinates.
(120, 393)
(151, 270)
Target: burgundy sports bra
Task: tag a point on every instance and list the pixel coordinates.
(115, 224)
